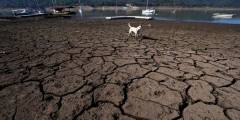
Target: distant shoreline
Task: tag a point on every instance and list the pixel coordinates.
(89, 8)
(164, 8)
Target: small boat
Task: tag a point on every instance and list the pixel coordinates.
(222, 16)
(61, 11)
(148, 11)
(27, 13)
(20, 12)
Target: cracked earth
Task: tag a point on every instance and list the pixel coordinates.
(91, 70)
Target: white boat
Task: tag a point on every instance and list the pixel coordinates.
(19, 12)
(37, 13)
(222, 16)
(148, 11)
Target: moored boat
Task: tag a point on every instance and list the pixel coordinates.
(222, 16)
(148, 11)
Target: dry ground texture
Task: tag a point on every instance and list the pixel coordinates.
(65, 69)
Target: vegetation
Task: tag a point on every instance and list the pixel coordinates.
(184, 3)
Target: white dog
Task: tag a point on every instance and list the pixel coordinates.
(135, 30)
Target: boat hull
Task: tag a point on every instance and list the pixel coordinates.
(222, 16)
(148, 12)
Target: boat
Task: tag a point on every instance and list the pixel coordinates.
(148, 11)
(131, 7)
(80, 11)
(61, 11)
(222, 16)
(25, 12)
(20, 12)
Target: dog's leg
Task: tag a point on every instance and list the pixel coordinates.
(129, 33)
(136, 35)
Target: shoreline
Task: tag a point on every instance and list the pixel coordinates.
(89, 8)
(5, 20)
(40, 18)
(175, 22)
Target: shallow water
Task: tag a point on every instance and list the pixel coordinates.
(183, 15)
(180, 15)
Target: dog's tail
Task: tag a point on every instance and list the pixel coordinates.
(129, 25)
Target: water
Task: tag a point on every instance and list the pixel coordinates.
(183, 15)
(180, 15)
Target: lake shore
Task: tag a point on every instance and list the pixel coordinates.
(91, 69)
(89, 8)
